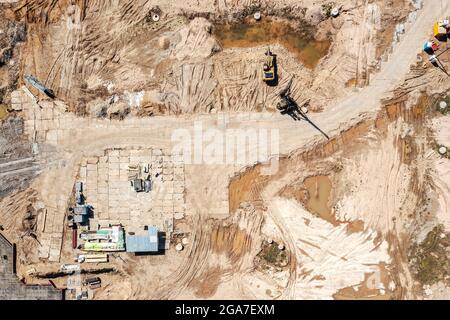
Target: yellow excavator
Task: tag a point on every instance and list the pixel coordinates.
(269, 72)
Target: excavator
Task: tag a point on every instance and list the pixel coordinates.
(287, 105)
(269, 72)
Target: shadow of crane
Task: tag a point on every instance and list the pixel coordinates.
(289, 106)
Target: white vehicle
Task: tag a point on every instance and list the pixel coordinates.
(70, 267)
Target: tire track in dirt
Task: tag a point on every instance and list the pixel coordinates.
(288, 240)
(222, 252)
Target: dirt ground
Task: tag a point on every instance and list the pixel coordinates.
(192, 71)
(346, 213)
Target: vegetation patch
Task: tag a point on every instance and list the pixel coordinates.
(430, 259)
(272, 256)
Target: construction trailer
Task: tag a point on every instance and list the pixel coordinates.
(81, 214)
(79, 192)
(138, 185)
(92, 281)
(146, 242)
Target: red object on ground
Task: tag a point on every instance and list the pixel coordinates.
(435, 46)
(74, 238)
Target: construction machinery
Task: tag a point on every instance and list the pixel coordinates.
(286, 104)
(430, 47)
(440, 29)
(289, 106)
(40, 86)
(269, 68)
(434, 59)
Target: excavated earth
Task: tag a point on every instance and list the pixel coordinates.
(361, 215)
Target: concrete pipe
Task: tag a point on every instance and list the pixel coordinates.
(334, 12)
(155, 17)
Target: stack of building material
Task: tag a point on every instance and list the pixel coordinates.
(93, 258)
(115, 240)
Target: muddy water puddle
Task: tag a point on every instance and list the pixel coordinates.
(251, 34)
(319, 189)
(3, 112)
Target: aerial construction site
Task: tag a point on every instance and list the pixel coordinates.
(225, 149)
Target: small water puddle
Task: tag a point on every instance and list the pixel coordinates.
(251, 34)
(319, 189)
(3, 112)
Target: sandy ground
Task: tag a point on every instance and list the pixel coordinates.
(329, 258)
(189, 71)
(379, 183)
(219, 261)
(441, 172)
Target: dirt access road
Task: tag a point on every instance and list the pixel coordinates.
(97, 135)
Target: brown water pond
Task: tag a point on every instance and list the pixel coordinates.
(251, 34)
(3, 112)
(319, 189)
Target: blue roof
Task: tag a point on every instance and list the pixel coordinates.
(143, 243)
